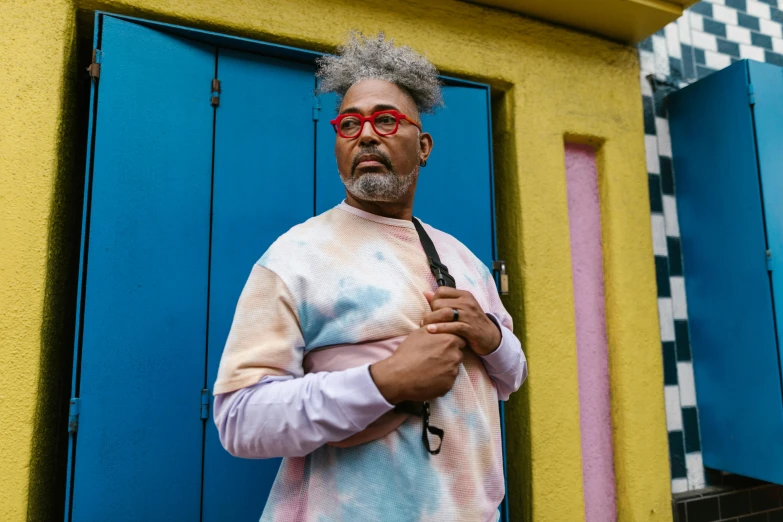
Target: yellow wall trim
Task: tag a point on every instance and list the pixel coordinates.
(629, 21)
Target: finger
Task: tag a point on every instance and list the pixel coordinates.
(467, 299)
(446, 292)
(439, 304)
(443, 315)
(455, 328)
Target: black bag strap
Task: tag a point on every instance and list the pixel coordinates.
(442, 278)
(438, 269)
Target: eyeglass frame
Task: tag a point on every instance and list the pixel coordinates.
(371, 118)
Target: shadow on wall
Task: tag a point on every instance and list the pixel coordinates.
(520, 471)
(49, 456)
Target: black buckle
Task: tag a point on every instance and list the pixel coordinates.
(425, 419)
(422, 409)
(410, 407)
(441, 273)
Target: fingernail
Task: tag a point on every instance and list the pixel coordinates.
(432, 328)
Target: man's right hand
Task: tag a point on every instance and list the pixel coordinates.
(424, 366)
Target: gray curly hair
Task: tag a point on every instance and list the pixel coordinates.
(362, 58)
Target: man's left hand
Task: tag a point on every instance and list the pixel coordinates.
(473, 325)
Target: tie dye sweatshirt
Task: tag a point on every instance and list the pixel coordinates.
(327, 299)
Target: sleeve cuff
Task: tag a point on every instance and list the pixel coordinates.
(506, 356)
(360, 398)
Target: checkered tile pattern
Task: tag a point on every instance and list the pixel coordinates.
(708, 37)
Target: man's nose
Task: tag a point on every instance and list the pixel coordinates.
(368, 135)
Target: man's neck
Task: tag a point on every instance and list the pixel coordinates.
(389, 209)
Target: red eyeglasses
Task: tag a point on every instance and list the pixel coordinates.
(384, 123)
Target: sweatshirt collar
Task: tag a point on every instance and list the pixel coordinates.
(373, 217)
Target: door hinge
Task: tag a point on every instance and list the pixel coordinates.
(769, 260)
(94, 69)
(215, 100)
(73, 415)
(751, 94)
(499, 266)
(205, 403)
(316, 108)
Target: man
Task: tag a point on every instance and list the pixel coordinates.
(341, 320)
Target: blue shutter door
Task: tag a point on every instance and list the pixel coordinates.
(138, 446)
(729, 298)
(768, 114)
(454, 193)
(177, 214)
(264, 185)
(329, 190)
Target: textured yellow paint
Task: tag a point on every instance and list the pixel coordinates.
(635, 368)
(550, 83)
(37, 40)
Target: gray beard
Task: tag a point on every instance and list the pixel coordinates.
(382, 187)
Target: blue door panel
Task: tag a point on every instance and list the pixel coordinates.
(768, 114)
(729, 298)
(454, 189)
(264, 185)
(138, 446)
(329, 190)
(184, 199)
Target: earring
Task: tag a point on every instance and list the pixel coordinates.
(423, 163)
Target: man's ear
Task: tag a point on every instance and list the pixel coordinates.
(425, 146)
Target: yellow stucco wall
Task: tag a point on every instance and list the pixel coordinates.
(551, 84)
(35, 47)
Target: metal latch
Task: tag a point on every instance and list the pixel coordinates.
(499, 266)
(73, 415)
(205, 403)
(215, 100)
(94, 69)
(316, 108)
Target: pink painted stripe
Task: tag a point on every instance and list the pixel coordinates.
(595, 418)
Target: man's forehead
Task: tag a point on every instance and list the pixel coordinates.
(368, 94)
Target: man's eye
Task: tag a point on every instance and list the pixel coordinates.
(349, 123)
(385, 119)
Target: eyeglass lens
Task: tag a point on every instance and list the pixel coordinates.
(383, 123)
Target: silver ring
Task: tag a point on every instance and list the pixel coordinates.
(456, 315)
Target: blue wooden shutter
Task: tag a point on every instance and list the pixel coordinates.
(160, 279)
(140, 361)
(454, 193)
(730, 305)
(767, 83)
(264, 185)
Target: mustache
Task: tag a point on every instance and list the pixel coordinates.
(384, 159)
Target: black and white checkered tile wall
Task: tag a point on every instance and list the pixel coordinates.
(708, 37)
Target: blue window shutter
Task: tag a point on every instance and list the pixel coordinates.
(163, 279)
(144, 275)
(730, 305)
(454, 193)
(768, 115)
(264, 136)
